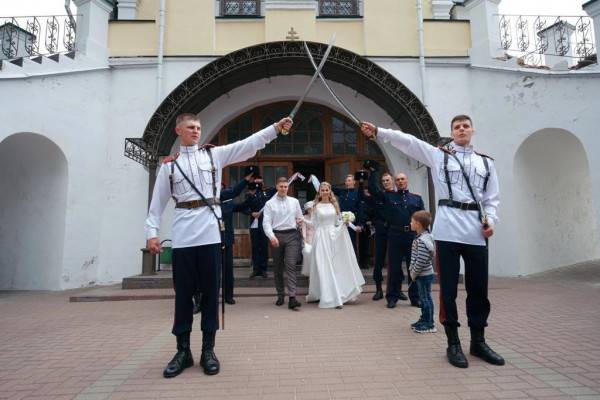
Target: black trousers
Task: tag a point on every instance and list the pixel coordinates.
(196, 269)
(399, 249)
(447, 264)
(228, 284)
(380, 253)
(260, 249)
(363, 248)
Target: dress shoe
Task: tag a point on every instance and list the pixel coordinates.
(183, 358)
(378, 292)
(254, 274)
(265, 275)
(280, 300)
(208, 360)
(293, 304)
(402, 296)
(479, 348)
(230, 301)
(391, 304)
(454, 351)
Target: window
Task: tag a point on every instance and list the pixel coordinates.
(307, 137)
(339, 8)
(343, 136)
(240, 129)
(239, 8)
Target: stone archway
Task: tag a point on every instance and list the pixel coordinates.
(274, 59)
(554, 201)
(33, 183)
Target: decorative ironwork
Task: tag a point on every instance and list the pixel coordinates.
(339, 8)
(538, 37)
(240, 8)
(505, 36)
(282, 58)
(135, 148)
(32, 45)
(10, 38)
(52, 30)
(32, 36)
(69, 34)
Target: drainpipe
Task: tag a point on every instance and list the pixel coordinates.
(430, 187)
(161, 39)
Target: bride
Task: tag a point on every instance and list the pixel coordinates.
(335, 277)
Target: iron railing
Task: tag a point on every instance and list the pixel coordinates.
(239, 8)
(30, 36)
(540, 38)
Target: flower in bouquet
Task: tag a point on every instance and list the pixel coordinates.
(348, 217)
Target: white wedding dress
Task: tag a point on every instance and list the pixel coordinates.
(334, 275)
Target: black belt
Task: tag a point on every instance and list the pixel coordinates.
(401, 228)
(458, 204)
(197, 203)
(286, 231)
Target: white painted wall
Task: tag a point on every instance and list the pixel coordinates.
(89, 114)
(32, 212)
(553, 188)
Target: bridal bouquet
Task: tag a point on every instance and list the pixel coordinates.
(348, 217)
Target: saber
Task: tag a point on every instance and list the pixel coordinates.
(312, 81)
(352, 116)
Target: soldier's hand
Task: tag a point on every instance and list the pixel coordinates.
(249, 177)
(299, 221)
(368, 129)
(255, 214)
(153, 245)
(359, 229)
(487, 231)
(285, 124)
(274, 242)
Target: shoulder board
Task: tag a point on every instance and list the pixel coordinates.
(445, 150)
(483, 155)
(207, 146)
(172, 158)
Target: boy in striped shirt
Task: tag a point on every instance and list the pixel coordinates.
(421, 269)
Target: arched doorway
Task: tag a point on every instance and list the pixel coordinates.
(554, 201)
(267, 60)
(33, 183)
(323, 143)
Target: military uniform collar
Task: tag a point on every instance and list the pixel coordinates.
(460, 149)
(403, 191)
(188, 149)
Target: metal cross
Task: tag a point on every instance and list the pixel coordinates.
(292, 34)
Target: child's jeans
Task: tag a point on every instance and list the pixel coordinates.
(424, 287)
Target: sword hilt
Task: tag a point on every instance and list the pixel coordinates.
(284, 131)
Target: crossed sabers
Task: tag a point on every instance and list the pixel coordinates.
(319, 75)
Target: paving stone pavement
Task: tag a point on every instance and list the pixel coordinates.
(546, 326)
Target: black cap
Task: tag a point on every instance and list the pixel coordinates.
(255, 186)
(371, 165)
(252, 169)
(361, 175)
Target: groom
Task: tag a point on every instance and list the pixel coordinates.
(282, 214)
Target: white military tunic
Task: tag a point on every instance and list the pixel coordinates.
(198, 226)
(453, 224)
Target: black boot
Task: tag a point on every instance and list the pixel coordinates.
(479, 348)
(293, 304)
(454, 352)
(208, 359)
(378, 292)
(280, 300)
(183, 358)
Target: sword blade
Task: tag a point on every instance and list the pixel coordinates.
(314, 77)
(352, 116)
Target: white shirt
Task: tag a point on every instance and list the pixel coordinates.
(453, 224)
(198, 226)
(280, 214)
